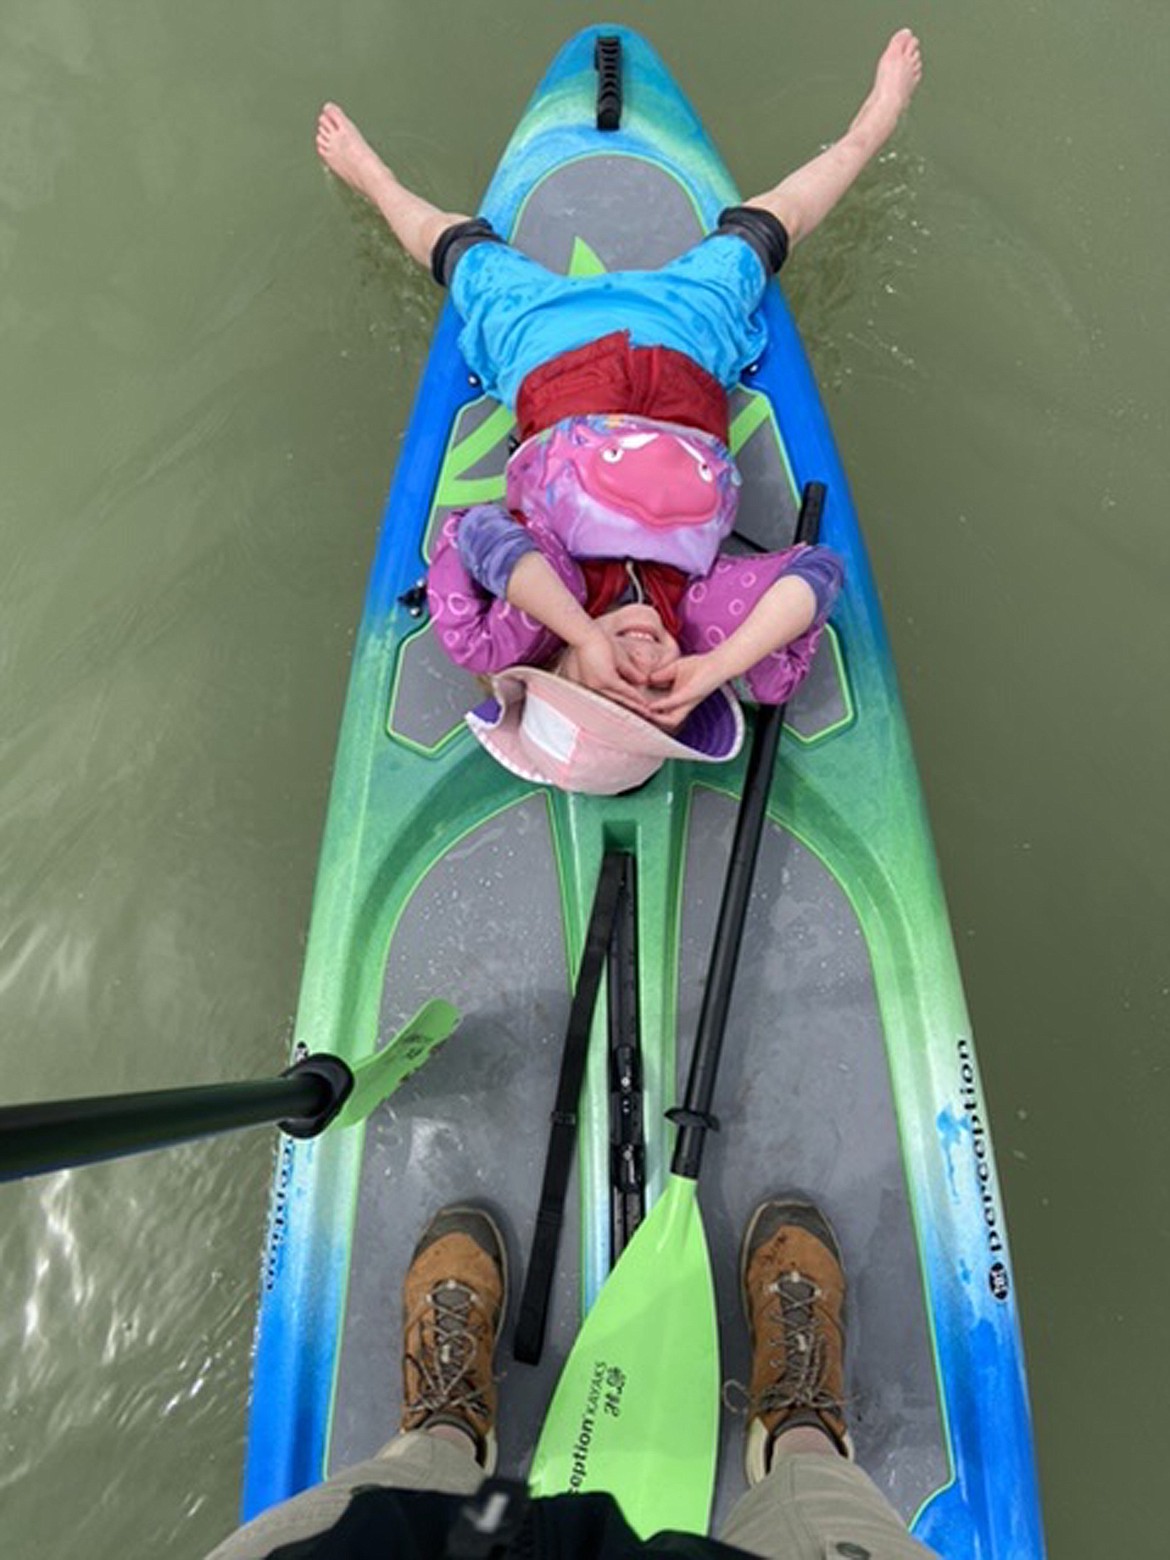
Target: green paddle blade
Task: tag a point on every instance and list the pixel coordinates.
(379, 1075)
(636, 1411)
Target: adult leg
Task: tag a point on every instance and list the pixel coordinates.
(813, 1504)
(420, 1460)
(415, 222)
(807, 1498)
(803, 199)
(454, 1299)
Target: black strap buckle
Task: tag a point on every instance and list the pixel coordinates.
(682, 1117)
(487, 1524)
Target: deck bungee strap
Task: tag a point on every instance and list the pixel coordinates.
(533, 1315)
(627, 1153)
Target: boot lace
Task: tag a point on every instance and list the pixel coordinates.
(794, 1338)
(443, 1363)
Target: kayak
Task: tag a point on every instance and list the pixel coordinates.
(849, 1072)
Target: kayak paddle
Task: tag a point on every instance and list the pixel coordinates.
(636, 1410)
(376, 1079)
(317, 1091)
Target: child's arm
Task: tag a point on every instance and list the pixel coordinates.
(476, 628)
(485, 546)
(784, 612)
(534, 588)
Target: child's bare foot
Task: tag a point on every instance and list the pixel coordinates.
(898, 72)
(415, 222)
(345, 151)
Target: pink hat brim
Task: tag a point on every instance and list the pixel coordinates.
(555, 732)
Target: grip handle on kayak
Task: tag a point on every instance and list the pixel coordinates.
(607, 58)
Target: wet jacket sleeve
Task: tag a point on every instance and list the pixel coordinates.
(491, 543)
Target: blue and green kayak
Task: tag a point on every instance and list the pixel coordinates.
(850, 1071)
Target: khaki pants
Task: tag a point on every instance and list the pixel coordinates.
(809, 1507)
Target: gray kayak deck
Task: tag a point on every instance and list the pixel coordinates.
(804, 1095)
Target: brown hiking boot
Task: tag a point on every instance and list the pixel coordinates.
(794, 1298)
(453, 1303)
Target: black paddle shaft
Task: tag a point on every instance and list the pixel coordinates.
(63, 1134)
(694, 1119)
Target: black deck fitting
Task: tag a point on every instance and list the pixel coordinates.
(607, 57)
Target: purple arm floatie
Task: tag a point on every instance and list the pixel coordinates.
(823, 571)
(491, 544)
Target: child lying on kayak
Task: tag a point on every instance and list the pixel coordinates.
(623, 490)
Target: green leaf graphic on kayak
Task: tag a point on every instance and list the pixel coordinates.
(585, 261)
(456, 489)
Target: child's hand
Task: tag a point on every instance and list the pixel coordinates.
(686, 682)
(606, 668)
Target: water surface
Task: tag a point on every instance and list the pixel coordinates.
(207, 356)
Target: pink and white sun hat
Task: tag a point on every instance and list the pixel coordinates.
(547, 729)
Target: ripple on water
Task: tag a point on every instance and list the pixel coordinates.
(132, 1317)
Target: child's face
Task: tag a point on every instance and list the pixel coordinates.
(640, 642)
(638, 632)
(641, 647)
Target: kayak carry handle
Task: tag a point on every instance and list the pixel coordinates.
(627, 1143)
(532, 1315)
(607, 58)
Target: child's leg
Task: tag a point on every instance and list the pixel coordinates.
(806, 197)
(415, 222)
(492, 306)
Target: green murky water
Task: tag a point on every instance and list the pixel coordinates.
(207, 356)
